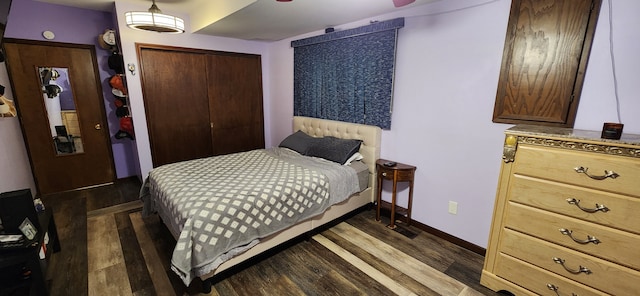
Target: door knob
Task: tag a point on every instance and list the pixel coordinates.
(97, 126)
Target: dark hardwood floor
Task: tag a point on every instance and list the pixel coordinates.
(67, 272)
(108, 248)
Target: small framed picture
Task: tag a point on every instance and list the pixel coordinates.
(28, 229)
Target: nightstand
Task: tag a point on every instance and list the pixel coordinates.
(397, 173)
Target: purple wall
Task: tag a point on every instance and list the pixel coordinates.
(28, 19)
(66, 96)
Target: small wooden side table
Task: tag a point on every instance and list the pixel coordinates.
(398, 173)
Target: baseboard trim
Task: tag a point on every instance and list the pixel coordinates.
(450, 238)
(441, 234)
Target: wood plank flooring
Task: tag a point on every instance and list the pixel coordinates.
(108, 248)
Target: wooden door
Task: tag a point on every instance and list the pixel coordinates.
(235, 102)
(544, 61)
(88, 160)
(174, 85)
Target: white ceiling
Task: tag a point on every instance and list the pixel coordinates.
(258, 19)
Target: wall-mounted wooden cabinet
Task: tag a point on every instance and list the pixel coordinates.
(544, 61)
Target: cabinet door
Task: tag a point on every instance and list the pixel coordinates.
(235, 93)
(544, 61)
(176, 104)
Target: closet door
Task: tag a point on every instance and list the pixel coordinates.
(174, 85)
(235, 93)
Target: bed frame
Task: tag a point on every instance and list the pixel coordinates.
(370, 149)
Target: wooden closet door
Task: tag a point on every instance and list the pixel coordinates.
(235, 93)
(174, 85)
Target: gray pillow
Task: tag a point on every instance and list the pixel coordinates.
(334, 149)
(298, 141)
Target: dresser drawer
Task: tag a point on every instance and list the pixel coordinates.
(537, 280)
(402, 175)
(610, 277)
(560, 165)
(614, 245)
(619, 211)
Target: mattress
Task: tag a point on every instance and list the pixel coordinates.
(363, 174)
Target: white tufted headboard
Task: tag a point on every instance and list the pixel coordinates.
(368, 134)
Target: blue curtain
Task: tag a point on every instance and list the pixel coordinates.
(347, 75)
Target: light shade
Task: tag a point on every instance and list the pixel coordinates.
(400, 3)
(154, 20)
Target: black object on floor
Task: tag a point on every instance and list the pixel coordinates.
(406, 232)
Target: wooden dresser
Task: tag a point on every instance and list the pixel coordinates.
(566, 219)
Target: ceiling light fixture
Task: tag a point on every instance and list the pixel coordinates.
(400, 3)
(154, 20)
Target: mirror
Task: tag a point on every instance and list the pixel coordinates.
(61, 110)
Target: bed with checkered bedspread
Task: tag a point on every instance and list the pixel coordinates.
(221, 206)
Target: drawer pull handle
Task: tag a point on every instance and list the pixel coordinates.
(607, 174)
(598, 207)
(384, 174)
(580, 270)
(590, 239)
(553, 288)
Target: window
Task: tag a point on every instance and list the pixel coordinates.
(347, 75)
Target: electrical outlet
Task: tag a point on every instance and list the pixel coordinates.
(453, 207)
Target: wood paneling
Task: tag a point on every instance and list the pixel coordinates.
(70, 120)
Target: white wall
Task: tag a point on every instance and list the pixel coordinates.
(447, 70)
(598, 101)
(15, 170)
(448, 63)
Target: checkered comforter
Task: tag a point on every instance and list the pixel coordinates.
(221, 206)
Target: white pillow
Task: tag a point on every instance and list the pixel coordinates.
(356, 156)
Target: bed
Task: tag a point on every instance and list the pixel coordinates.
(295, 193)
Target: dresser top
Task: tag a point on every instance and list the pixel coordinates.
(569, 133)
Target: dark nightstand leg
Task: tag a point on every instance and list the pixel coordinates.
(392, 225)
(409, 203)
(379, 198)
